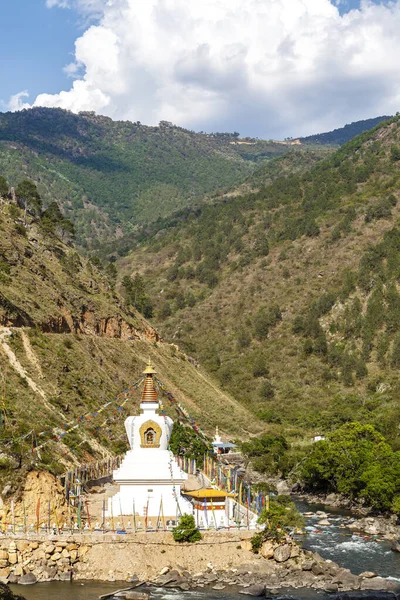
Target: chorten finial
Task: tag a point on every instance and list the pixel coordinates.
(149, 370)
(149, 393)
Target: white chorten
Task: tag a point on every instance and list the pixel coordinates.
(149, 477)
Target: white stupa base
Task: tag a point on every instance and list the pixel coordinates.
(150, 482)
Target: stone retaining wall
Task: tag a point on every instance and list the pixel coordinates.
(116, 557)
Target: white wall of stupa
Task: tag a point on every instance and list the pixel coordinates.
(149, 477)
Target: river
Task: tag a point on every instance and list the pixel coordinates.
(339, 544)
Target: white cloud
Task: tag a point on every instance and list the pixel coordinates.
(265, 67)
(16, 103)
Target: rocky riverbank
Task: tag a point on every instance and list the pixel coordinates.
(220, 560)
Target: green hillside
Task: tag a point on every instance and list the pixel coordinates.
(111, 176)
(342, 135)
(68, 345)
(289, 294)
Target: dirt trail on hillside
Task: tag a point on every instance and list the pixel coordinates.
(5, 333)
(30, 354)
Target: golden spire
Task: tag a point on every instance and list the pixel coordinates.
(149, 393)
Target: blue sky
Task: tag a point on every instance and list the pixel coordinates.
(323, 74)
(37, 43)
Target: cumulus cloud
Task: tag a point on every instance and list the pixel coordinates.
(262, 67)
(16, 101)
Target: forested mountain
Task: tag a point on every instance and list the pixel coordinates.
(69, 343)
(110, 176)
(342, 135)
(289, 294)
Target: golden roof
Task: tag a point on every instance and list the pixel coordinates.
(209, 493)
(149, 393)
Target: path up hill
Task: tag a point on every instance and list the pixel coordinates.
(111, 176)
(69, 344)
(290, 294)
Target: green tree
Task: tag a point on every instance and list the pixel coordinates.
(29, 198)
(185, 442)
(3, 187)
(186, 531)
(267, 453)
(52, 219)
(135, 293)
(280, 518)
(355, 460)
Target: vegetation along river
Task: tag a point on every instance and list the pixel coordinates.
(355, 552)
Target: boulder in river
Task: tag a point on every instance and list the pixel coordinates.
(27, 579)
(396, 546)
(254, 590)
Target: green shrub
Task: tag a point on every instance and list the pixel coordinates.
(186, 531)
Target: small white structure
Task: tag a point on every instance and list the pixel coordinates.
(221, 447)
(149, 477)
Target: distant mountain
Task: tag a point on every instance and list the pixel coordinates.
(340, 136)
(111, 176)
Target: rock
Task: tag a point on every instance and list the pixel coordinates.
(164, 571)
(12, 558)
(368, 574)
(48, 574)
(295, 551)
(49, 548)
(67, 576)
(332, 499)
(219, 586)
(18, 571)
(12, 547)
(171, 577)
(267, 550)
(83, 550)
(282, 553)
(132, 579)
(3, 555)
(378, 583)
(56, 556)
(396, 546)
(307, 565)
(27, 579)
(246, 545)
(317, 569)
(282, 488)
(324, 523)
(12, 579)
(331, 588)
(254, 590)
(4, 573)
(132, 595)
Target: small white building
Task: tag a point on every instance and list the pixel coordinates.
(149, 477)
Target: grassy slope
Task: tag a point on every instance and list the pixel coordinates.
(110, 174)
(312, 392)
(77, 345)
